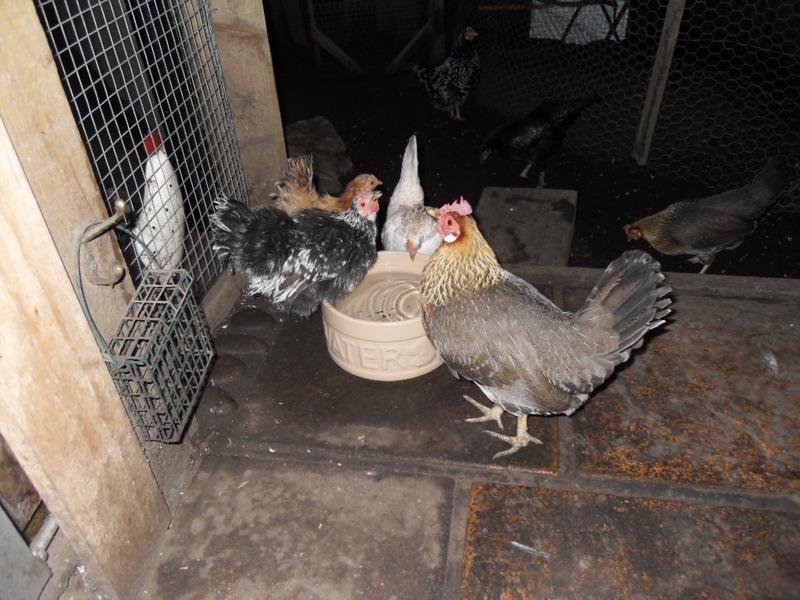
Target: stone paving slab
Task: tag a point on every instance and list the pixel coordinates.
(249, 530)
(531, 225)
(295, 394)
(529, 543)
(669, 483)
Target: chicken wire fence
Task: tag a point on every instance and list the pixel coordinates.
(731, 96)
(371, 33)
(145, 85)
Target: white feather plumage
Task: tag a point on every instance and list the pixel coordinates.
(161, 220)
(408, 225)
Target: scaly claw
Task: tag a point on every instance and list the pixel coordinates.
(522, 439)
(489, 414)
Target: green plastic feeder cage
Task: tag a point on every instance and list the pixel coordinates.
(161, 353)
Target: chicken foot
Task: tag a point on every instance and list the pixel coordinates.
(455, 114)
(489, 414)
(706, 263)
(522, 439)
(526, 171)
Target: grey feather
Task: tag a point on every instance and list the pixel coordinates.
(530, 356)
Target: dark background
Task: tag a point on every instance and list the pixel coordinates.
(376, 114)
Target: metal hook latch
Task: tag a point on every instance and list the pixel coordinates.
(95, 231)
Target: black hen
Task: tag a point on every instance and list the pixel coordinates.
(450, 84)
(704, 227)
(534, 137)
(298, 261)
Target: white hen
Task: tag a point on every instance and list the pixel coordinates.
(408, 225)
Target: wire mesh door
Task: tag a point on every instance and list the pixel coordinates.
(145, 85)
(731, 97)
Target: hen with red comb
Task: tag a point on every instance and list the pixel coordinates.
(527, 355)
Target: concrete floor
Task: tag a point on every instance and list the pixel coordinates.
(679, 479)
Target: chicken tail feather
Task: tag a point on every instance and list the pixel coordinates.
(425, 75)
(229, 218)
(254, 241)
(629, 300)
(766, 187)
(295, 189)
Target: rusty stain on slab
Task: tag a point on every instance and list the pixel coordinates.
(712, 399)
(583, 545)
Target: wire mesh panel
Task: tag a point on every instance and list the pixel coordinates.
(731, 97)
(144, 81)
(372, 33)
(160, 355)
(534, 52)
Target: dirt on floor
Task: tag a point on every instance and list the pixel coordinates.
(375, 115)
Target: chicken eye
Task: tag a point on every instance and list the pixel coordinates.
(449, 221)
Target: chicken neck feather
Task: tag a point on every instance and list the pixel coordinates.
(467, 265)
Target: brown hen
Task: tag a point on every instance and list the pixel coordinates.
(706, 226)
(296, 191)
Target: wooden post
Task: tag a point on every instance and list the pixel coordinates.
(59, 410)
(42, 129)
(296, 24)
(320, 40)
(658, 80)
(438, 50)
(241, 32)
(410, 47)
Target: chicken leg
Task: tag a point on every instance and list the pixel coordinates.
(455, 114)
(705, 262)
(489, 414)
(522, 439)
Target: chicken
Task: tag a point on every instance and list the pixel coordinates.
(704, 227)
(295, 191)
(408, 225)
(298, 261)
(449, 85)
(161, 222)
(533, 138)
(528, 356)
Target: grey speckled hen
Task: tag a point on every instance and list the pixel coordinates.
(298, 261)
(528, 356)
(449, 85)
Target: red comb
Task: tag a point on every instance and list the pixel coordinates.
(460, 207)
(152, 142)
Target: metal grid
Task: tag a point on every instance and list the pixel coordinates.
(731, 97)
(132, 68)
(731, 101)
(160, 355)
(372, 33)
